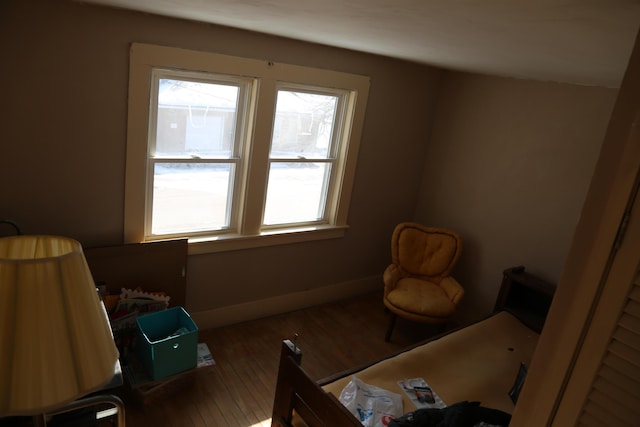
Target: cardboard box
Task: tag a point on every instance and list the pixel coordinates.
(167, 342)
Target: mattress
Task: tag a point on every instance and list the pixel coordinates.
(477, 363)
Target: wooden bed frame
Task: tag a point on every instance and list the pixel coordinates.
(523, 295)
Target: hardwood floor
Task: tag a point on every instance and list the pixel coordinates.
(239, 389)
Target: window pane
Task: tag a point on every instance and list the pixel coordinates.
(189, 197)
(195, 118)
(303, 125)
(296, 192)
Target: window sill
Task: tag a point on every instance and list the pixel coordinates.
(232, 242)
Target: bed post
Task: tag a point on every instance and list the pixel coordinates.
(283, 403)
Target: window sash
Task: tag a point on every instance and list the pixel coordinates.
(298, 200)
(235, 180)
(324, 159)
(230, 206)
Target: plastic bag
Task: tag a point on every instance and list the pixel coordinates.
(373, 406)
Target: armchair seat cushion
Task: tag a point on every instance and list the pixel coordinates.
(420, 297)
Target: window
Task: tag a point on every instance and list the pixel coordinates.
(234, 152)
(194, 157)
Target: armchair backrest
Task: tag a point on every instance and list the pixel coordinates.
(425, 251)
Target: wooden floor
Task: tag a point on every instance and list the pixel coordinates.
(239, 389)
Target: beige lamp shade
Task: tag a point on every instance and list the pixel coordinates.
(56, 344)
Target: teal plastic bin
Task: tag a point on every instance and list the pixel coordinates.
(167, 342)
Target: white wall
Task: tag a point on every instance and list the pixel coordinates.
(508, 166)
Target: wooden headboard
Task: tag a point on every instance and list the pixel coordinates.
(153, 266)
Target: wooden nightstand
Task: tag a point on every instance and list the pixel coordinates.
(525, 295)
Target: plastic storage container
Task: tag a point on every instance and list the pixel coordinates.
(167, 342)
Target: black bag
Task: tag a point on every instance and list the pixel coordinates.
(461, 414)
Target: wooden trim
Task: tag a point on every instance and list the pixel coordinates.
(598, 340)
(284, 303)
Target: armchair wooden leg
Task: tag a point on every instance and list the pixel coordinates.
(392, 323)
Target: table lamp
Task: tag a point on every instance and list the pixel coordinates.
(56, 344)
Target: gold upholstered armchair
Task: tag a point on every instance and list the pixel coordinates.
(418, 285)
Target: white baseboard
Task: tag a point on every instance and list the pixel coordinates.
(284, 303)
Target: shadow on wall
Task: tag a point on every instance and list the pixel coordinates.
(9, 228)
(477, 302)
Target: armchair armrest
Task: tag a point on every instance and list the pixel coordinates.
(452, 288)
(390, 277)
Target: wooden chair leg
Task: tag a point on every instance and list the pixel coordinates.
(392, 323)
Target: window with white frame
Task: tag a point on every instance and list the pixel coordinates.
(234, 152)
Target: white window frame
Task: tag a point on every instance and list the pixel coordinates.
(268, 76)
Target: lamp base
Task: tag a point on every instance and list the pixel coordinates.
(110, 406)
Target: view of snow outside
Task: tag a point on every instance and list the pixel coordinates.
(197, 120)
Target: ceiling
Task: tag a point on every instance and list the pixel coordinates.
(577, 41)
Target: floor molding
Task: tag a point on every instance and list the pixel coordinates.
(282, 304)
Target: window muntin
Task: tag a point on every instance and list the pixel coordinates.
(246, 163)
